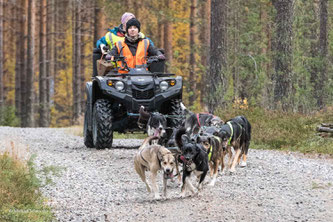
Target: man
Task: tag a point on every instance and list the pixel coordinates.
(111, 37)
(134, 47)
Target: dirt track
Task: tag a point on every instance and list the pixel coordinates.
(99, 185)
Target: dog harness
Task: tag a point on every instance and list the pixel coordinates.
(143, 158)
(198, 119)
(210, 150)
(232, 132)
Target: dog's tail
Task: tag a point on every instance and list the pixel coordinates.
(147, 141)
(178, 137)
(185, 110)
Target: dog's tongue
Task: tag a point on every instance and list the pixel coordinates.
(168, 175)
(157, 133)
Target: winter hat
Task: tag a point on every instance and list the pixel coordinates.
(133, 22)
(125, 17)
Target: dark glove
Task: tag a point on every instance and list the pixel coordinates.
(161, 57)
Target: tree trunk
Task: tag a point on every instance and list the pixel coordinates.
(218, 54)
(204, 38)
(266, 50)
(42, 66)
(283, 54)
(76, 60)
(239, 90)
(24, 65)
(99, 23)
(30, 66)
(168, 35)
(192, 67)
(19, 56)
(322, 54)
(1, 61)
(49, 41)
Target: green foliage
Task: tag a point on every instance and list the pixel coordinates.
(284, 131)
(19, 192)
(9, 117)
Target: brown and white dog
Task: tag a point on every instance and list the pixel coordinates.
(215, 151)
(154, 158)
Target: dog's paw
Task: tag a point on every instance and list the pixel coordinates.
(232, 170)
(242, 164)
(182, 195)
(157, 197)
(196, 194)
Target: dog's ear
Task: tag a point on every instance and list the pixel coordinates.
(178, 137)
(185, 139)
(159, 155)
(198, 139)
(210, 140)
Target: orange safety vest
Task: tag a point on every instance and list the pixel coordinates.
(136, 61)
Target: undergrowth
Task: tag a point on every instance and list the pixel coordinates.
(285, 131)
(20, 197)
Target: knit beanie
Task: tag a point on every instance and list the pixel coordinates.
(133, 22)
(125, 17)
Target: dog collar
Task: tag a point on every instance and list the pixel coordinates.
(232, 132)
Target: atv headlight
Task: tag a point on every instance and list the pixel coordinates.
(164, 85)
(120, 85)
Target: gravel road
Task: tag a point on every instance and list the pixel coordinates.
(101, 185)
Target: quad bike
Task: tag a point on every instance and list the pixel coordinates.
(114, 99)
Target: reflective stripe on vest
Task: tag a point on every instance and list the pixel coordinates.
(111, 39)
(137, 61)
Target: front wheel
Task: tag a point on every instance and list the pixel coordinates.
(102, 124)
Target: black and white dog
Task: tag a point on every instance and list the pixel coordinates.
(155, 122)
(194, 158)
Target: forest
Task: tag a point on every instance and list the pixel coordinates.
(272, 54)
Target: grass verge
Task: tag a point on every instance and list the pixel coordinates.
(20, 197)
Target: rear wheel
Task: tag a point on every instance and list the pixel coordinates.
(87, 134)
(102, 124)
